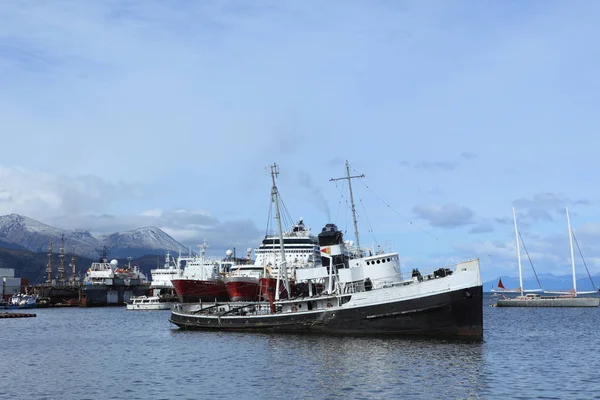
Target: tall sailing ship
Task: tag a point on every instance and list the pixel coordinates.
(64, 289)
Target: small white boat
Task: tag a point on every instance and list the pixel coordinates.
(22, 301)
(150, 303)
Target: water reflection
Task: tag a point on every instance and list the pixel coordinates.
(113, 353)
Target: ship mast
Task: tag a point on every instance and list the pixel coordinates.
(203, 247)
(571, 248)
(349, 178)
(282, 265)
(73, 264)
(49, 263)
(518, 252)
(61, 259)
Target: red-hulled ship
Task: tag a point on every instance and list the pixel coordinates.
(194, 290)
(268, 287)
(202, 278)
(242, 283)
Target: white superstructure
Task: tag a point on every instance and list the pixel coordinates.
(202, 268)
(300, 247)
(150, 303)
(104, 272)
(162, 277)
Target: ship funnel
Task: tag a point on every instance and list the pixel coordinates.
(331, 241)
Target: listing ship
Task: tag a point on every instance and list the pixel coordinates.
(364, 293)
(107, 284)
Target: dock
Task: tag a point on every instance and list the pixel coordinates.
(15, 315)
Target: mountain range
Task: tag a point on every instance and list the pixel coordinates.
(18, 232)
(24, 244)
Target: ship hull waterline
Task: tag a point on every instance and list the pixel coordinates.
(242, 289)
(192, 291)
(152, 306)
(457, 313)
(110, 295)
(557, 302)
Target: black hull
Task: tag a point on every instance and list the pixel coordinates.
(57, 294)
(103, 295)
(54, 296)
(451, 314)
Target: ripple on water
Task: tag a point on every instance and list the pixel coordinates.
(112, 353)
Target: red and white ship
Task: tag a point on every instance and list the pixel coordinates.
(242, 283)
(202, 278)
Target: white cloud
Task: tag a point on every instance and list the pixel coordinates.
(189, 227)
(547, 254)
(544, 206)
(156, 212)
(445, 215)
(188, 102)
(41, 194)
(83, 203)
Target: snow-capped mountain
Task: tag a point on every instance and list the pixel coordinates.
(133, 243)
(35, 236)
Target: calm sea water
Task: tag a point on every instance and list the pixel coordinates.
(111, 353)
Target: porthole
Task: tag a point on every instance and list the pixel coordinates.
(378, 261)
(388, 259)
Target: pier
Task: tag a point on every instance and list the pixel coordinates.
(15, 315)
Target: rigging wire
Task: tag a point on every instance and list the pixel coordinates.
(530, 263)
(337, 214)
(394, 210)
(368, 221)
(288, 221)
(269, 216)
(342, 197)
(406, 218)
(583, 259)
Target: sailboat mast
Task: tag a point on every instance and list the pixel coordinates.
(73, 264)
(49, 264)
(518, 252)
(351, 199)
(61, 259)
(571, 248)
(275, 198)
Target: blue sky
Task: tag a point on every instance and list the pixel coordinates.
(119, 114)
